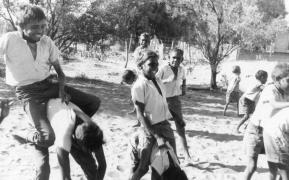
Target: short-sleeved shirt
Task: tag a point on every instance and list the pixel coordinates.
(233, 83)
(253, 92)
(156, 107)
(173, 88)
(278, 128)
(21, 67)
(62, 120)
(264, 110)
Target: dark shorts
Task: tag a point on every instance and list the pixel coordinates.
(253, 140)
(274, 151)
(246, 106)
(232, 97)
(175, 108)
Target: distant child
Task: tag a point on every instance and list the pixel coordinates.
(173, 76)
(129, 77)
(148, 95)
(232, 94)
(78, 135)
(144, 41)
(272, 99)
(276, 142)
(250, 98)
(163, 161)
(29, 56)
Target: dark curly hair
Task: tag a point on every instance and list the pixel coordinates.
(28, 13)
(90, 135)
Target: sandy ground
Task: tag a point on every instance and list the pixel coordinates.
(211, 136)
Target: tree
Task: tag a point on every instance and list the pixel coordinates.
(221, 26)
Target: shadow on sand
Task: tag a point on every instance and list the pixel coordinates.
(214, 136)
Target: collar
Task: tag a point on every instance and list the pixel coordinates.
(26, 38)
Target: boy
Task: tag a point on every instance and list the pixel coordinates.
(174, 79)
(162, 159)
(232, 94)
(29, 55)
(144, 41)
(272, 99)
(78, 135)
(149, 98)
(276, 142)
(249, 99)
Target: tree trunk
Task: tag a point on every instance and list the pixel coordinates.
(213, 83)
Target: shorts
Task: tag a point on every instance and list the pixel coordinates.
(246, 106)
(232, 97)
(253, 140)
(175, 108)
(274, 152)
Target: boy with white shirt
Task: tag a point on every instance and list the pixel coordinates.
(149, 98)
(29, 56)
(174, 78)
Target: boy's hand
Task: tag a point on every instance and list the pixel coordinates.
(168, 80)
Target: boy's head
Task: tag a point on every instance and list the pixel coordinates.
(236, 69)
(89, 135)
(32, 21)
(176, 57)
(147, 62)
(144, 39)
(262, 76)
(280, 76)
(128, 77)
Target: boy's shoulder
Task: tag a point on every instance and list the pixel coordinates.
(140, 82)
(11, 35)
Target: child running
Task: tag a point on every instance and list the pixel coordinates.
(232, 94)
(272, 99)
(249, 99)
(29, 56)
(148, 95)
(173, 77)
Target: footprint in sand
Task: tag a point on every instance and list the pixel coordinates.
(120, 168)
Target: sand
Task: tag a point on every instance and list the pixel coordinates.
(211, 137)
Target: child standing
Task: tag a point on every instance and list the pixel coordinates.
(29, 56)
(152, 110)
(272, 99)
(249, 99)
(232, 94)
(276, 142)
(144, 41)
(174, 79)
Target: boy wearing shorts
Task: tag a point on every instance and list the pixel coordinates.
(250, 98)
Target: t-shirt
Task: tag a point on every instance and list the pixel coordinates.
(264, 110)
(21, 67)
(172, 88)
(233, 83)
(253, 91)
(156, 107)
(278, 128)
(62, 120)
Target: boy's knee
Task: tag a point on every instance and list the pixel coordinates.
(47, 139)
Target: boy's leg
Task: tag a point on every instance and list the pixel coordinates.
(242, 121)
(251, 167)
(284, 172)
(43, 137)
(145, 154)
(85, 160)
(88, 103)
(273, 168)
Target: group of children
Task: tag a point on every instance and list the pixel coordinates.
(266, 107)
(61, 115)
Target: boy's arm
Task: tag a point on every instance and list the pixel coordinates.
(63, 160)
(143, 119)
(81, 114)
(99, 155)
(61, 79)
